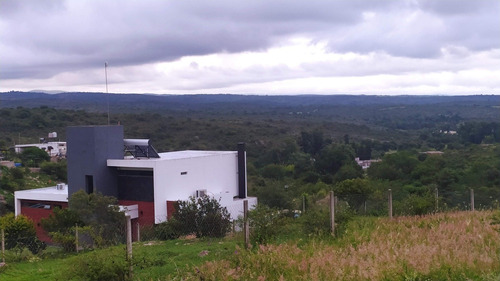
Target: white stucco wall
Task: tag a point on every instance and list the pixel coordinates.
(217, 173)
(177, 176)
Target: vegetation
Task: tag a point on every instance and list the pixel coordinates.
(99, 216)
(20, 234)
(202, 216)
(298, 150)
(447, 246)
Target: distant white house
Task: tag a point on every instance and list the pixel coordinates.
(53, 148)
(365, 164)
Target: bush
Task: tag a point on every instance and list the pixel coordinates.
(202, 216)
(316, 221)
(265, 224)
(57, 170)
(96, 266)
(168, 230)
(20, 233)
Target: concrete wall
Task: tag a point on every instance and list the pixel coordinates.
(89, 147)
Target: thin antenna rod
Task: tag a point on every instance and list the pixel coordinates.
(107, 94)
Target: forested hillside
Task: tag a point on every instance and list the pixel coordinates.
(307, 143)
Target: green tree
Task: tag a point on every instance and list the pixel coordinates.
(354, 191)
(33, 156)
(102, 214)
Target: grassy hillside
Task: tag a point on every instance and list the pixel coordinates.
(445, 246)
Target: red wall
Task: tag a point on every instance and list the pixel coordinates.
(146, 211)
(37, 215)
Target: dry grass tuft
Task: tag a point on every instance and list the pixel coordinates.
(436, 245)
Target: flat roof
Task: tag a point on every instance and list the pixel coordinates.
(50, 193)
(143, 162)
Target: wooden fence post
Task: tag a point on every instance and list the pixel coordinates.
(303, 204)
(129, 247)
(3, 245)
(246, 226)
(390, 203)
(76, 237)
(437, 199)
(332, 213)
(472, 199)
(138, 232)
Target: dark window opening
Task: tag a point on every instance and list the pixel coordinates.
(135, 185)
(184, 173)
(89, 184)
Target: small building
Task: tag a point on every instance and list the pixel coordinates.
(53, 148)
(365, 164)
(146, 183)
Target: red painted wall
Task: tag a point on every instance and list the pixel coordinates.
(146, 211)
(37, 214)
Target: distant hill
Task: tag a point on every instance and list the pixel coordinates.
(148, 102)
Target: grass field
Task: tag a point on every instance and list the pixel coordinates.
(446, 246)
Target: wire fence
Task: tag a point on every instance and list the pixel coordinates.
(318, 214)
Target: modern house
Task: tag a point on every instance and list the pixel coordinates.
(146, 183)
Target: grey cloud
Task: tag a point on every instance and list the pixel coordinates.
(71, 35)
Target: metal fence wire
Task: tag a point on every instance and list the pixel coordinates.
(317, 210)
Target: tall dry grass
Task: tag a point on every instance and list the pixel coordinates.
(446, 246)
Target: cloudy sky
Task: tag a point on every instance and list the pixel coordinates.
(252, 47)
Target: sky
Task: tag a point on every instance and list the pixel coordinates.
(263, 47)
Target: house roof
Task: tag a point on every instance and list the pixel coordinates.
(51, 193)
(165, 156)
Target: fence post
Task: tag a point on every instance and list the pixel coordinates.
(129, 247)
(138, 232)
(332, 213)
(472, 199)
(303, 204)
(76, 237)
(390, 203)
(3, 246)
(437, 199)
(246, 225)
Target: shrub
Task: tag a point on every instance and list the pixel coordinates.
(202, 216)
(316, 221)
(95, 266)
(168, 230)
(20, 233)
(265, 224)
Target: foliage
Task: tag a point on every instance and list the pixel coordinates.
(96, 266)
(58, 170)
(61, 227)
(101, 213)
(20, 233)
(33, 156)
(265, 223)
(447, 246)
(99, 216)
(168, 230)
(203, 216)
(355, 192)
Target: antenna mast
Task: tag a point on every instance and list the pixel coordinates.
(107, 94)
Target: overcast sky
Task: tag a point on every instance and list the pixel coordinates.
(252, 47)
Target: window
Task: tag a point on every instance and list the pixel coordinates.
(89, 184)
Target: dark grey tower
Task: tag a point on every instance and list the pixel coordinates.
(242, 171)
(89, 148)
